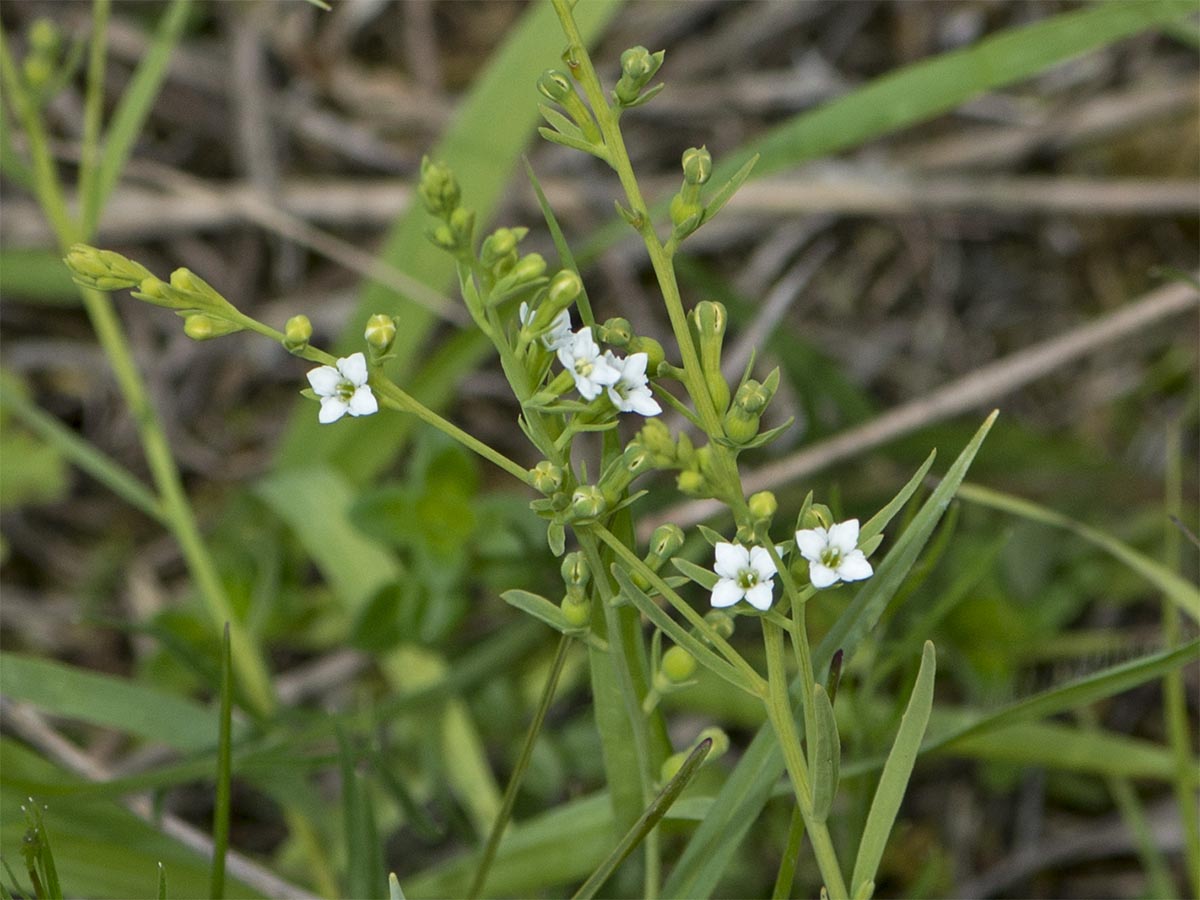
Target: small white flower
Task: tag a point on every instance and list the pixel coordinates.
(344, 389)
(833, 554)
(581, 357)
(748, 573)
(631, 392)
(559, 332)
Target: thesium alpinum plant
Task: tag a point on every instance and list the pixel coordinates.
(614, 420)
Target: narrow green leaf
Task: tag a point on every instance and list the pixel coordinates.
(36, 276)
(896, 772)
(133, 108)
(703, 654)
(565, 256)
(723, 196)
(162, 882)
(364, 866)
(644, 825)
(825, 755)
(791, 853)
(394, 892)
(538, 607)
(875, 525)
(706, 578)
(1184, 595)
(221, 807)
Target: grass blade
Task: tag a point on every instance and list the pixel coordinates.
(363, 854)
(224, 774)
(880, 520)
(131, 112)
(162, 883)
(896, 772)
(565, 256)
(654, 812)
(1184, 595)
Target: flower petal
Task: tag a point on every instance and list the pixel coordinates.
(811, 542)
(354, 367)
(634, 369)
(855, 567)
(731, 559)
(363, 402)
(844, 535)
(761, 563)
(332, 409)
(821, 576)
(588, 389)
(726, 593)
(523, 313)
(324, 380)
(643, 403)
(760, 596)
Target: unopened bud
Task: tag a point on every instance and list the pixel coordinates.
(720, 622)
(686, 215)
(656, 438)
(565, 286)
(37, 69)
(697, 165)
(678, 665)
(666, 540)
(530, 267)
(575, 569)
(617, 332)
(462, 224)
(438, 188)
(816, 516)
(498, 245)
(692, 483)
(297, 333)
(554, 85)
(708, 322)
(740, 427)
(752, 397)
(200, 327)
(380, 332)
(636, 458)
(763, 506)
(653, 350)
(44, 36)
(104, 270)
(638, 66)
(588, 502)
(546, 477)
(576, 610)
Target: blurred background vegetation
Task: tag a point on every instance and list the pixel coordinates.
(884, 268)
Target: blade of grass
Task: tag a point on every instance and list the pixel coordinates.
(565, 256)
(162, 882)
(1184, 595)
(896, 773)
(363, 855)
(518, 773)
(131, 112)
(646, 823)
(745, 793)
(791, 855)
(221, 807)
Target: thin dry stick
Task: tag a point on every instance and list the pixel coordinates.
(30, 725)
(983, 386)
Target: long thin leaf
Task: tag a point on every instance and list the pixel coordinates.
(1184, 595)
(644, 825)
(893, 783)
(132, 110)
(565, 256)
(221, 807)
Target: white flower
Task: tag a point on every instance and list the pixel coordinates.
(745, 573)
(559, 332)
(833, 555)
(580, 355)
(344, 389)
(631, 393)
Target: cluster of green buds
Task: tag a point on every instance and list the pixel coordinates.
(557, 87)
(206, 313)
(575, 606)
(744, 416)
(441, 195)
(44, 67)
(638, 66)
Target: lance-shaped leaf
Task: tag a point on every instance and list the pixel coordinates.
(825, 754)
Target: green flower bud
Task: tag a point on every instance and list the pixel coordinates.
(816, 516)
(708, 323)
(720, 742)
(200, 327)
(576, 610)
(638, 66)
(763, 506)
(565, 286)
(89, 266)
(697, 165)
(671, 766)
(692, 483)
(155, 290)
(653, 350)
(380, 332)
(656, 438)
(752, 397)
(44, 36)
(636, 459)
(686, 215)
(575, 569)
(678, 665)
(720, 622)
(588, 502)
(499, 245)
(530, 267)
(438, 188)
(38, 69)
(443, 236)
(554, 85)
(666, 540)
(297, 333)
(188, 281)
(546, 477)
(462, 224)
(740, 427)
(616, 331)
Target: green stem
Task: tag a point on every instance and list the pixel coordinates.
(779, 711)
(89, 199)
(791, 853)
(518, 773)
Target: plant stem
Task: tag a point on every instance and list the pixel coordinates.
(518, 773)
(779, 711)
(787, 865)
(93, 110)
